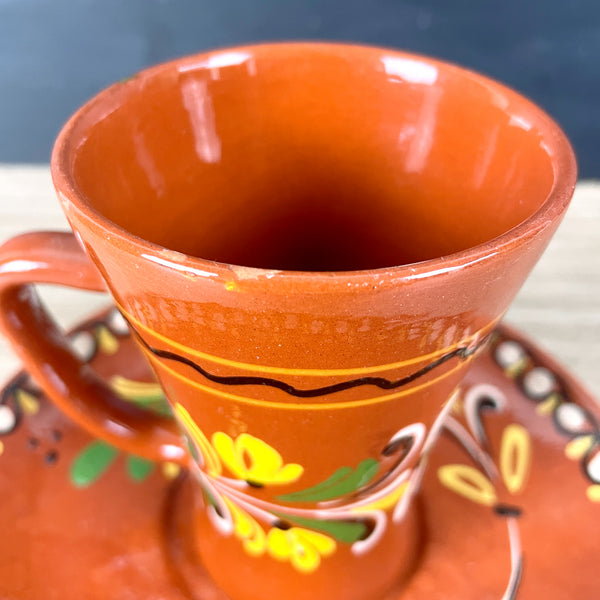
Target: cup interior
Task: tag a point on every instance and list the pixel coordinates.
(312, 157)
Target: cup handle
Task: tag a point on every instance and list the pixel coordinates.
(56, 258)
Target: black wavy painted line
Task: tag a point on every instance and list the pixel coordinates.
(380, 382)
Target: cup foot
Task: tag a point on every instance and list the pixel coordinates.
(183, 549)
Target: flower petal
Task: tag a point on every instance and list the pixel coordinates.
(247, 530)
(107, 342)
(288, 474)
(242, 521)
(29, 403)
(278, 544)
(515, 457)
(228, 454)
(305, 558)
(593, 493)
(264, 459)
(250, 458)
(256, 544)
(577, 447)
(468, 482)
(323, 543)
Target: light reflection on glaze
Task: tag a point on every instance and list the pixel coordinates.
(422, 142)
(218, 61)
(520, 122)
(19, 266)
(450, 269)
(182, 268)
(409, 70)
(198, 103)
(483, 164)
(146, 161)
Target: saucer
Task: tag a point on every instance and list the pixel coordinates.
(509, 505)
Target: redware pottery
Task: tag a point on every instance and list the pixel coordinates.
(509, 498)
(310, 243)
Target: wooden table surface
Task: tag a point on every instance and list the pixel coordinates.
(559, 305)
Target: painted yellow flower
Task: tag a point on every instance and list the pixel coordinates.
(302, 547)
(254, 461)
(246, 529)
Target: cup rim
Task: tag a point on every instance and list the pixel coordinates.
(554, 205)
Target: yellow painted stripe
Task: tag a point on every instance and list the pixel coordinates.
(311, 372)
(301, 405)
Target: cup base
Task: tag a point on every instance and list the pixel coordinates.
(194, 554)
(82, 520)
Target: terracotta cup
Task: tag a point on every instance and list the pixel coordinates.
(310, 243)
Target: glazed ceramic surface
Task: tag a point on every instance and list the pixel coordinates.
(311, 243)
(509, 497)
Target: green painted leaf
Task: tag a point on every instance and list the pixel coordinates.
(91, 463)
(139, 468)
(344, 481)
(347, 532)
(341, 473)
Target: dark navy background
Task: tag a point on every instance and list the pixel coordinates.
(54, 54)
